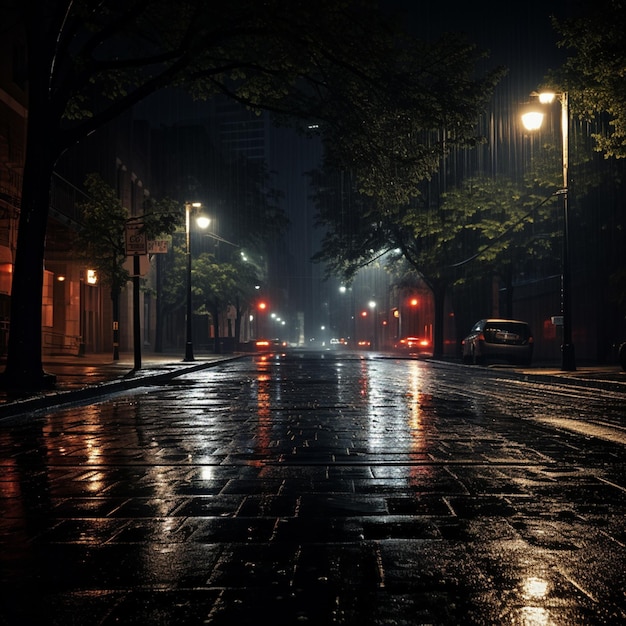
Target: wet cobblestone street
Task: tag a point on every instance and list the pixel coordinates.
(318, 488)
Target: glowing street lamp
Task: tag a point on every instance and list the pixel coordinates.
(532, 121)
(202, 222)
(372, 305)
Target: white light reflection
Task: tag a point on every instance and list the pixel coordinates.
(534, 616)
(264, 401)
(535, 587)
(413, 398)
(394, 407)
(207, 472)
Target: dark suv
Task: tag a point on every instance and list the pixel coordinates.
(497, 340)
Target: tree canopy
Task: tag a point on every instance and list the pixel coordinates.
(101, 237)
(595, 72)
(484, 221)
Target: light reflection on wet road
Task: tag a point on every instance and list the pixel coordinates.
(319, 488)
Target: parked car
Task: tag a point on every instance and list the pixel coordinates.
(414, 345)
(498, 340)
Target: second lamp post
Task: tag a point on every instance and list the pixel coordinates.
(203, 222)
(532, 121)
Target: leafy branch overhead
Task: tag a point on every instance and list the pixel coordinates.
(594, 72)
(376, 95)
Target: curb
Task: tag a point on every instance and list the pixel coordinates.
(128, 381)
(583, 377)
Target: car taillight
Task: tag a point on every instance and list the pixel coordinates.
(481, 337)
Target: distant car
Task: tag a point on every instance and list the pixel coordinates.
(264, 345)
(414, 345)
(497, 340)
(338, 342)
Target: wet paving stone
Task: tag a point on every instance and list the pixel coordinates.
(316, 489)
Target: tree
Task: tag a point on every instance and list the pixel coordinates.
(336, 62)
(101, 239)
(475, 222)
(392, 207)
(101, 242)
(594, 73)
(502, 229)
(214, 284)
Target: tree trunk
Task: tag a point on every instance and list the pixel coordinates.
(158, 335)
(217, 348)
(115, 301)
(439, 296)
(24, 367)
(237, 323)
(508, 308)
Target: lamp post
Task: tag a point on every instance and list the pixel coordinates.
(372, 306)
(351, 326)
(189, 332)
(532, 121)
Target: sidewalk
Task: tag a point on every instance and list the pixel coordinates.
(610, 377)
(93, 375)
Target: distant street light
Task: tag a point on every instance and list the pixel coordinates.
(415, 327)
(532, 121)
(372, 306)
(203, 222)
(351, 330)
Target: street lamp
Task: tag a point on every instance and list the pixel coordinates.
(203, 222)
(532, 121)
(352, 314)
(372, 306)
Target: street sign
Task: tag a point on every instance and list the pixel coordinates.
(157, 246)
(136, 240)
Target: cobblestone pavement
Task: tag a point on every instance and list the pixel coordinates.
(321, 490)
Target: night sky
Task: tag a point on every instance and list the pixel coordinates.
(519, 36)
